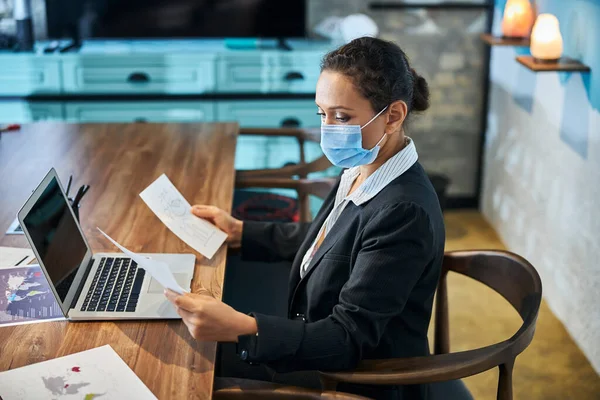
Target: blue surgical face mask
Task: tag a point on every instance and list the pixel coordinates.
(342, 144)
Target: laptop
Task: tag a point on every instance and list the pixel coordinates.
(87, 286)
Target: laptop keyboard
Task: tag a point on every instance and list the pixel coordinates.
(116, 286)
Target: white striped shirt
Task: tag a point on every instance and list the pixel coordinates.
(390, 170)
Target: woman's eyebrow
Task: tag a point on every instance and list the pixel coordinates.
(335, 108)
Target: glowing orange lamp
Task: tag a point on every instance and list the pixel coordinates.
(518, 19)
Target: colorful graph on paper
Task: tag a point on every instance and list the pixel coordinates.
(93, 374)
(25, 296)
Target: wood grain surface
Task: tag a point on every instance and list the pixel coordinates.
(119, 161)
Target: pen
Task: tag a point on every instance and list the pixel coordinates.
(69, 185)
(80, 193)
(24, 258)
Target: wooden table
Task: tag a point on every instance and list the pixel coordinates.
(119, 161)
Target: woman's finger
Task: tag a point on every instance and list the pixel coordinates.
(205, 211)
(171, 295)
(185, 315)
(188, 301)
(204, 292)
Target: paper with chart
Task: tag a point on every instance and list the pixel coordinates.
(13, 256)
(174, 211)
(159, 270)
(93, 374)
(26, 297)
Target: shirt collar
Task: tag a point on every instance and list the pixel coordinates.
(390, 170)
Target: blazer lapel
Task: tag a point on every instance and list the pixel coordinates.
(339, 228)
(308, 241)
(332, 237)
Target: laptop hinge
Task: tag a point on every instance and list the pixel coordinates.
(83, 281)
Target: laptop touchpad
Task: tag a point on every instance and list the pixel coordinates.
(156, 287)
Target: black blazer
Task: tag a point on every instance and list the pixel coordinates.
(369, 288)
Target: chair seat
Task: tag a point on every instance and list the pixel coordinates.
(449, 390)
(246, 389)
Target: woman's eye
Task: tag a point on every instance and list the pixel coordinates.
(342, 118)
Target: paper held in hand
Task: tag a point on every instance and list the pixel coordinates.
(158, 269)
(174, 211)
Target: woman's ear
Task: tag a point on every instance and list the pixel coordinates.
(396, 116)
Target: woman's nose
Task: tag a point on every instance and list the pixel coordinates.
(329, 120)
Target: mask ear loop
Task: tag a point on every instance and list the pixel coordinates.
(373, 119)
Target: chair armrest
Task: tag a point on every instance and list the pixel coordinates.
(320, 164)
(317, 187)
(243, 182)
(418, 370)
(309, 134)
(240, 389)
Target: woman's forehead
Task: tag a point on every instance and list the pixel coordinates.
(336, 89)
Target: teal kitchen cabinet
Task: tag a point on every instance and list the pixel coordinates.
(139, 74)
(27, 75)
(268, 72)
(22, 112)
(140, 111)
(270, 113)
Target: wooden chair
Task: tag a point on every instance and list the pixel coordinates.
(281, 178)
(245, 389)
(511, 276)
(304, 187)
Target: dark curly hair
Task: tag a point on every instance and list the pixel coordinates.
(381, 72)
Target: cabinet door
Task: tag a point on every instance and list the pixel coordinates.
(140, 111)
(139, 74)
(268, 73)
(270, 113)
(22, 112)
(25, 75)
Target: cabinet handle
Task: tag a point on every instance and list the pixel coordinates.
(138, 77)
(290, 123)
(293, 76)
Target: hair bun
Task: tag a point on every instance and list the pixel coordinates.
(420, 98)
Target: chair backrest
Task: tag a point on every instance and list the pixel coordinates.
(510, 275)
(302, 169)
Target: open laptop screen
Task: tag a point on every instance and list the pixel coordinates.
(56, 237)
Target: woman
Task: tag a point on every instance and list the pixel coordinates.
(365, 271)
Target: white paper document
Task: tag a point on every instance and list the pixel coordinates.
(158, 269)
(174, 211)
(14, 256)
(93, 374)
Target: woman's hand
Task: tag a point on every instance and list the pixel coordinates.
(209, 319)
(224, 221)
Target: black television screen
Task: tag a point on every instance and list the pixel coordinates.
(175, 18)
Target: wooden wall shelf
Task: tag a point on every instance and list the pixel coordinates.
(565, 64)
(504, 41)
(447, 5)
